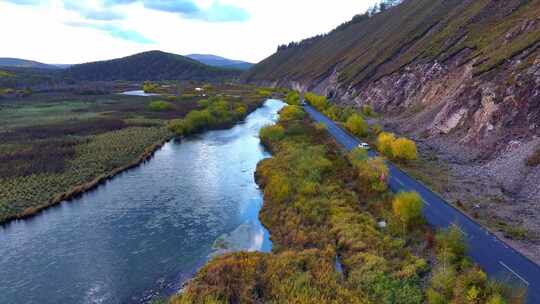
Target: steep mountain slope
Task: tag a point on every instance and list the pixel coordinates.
(23, 63)
(460, 76)
(154, 65)
(218, 61)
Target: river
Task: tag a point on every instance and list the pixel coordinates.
(148, 229)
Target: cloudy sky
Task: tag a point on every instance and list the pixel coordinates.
(75, 31)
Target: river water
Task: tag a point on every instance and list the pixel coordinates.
(147, 230)
(139, 93)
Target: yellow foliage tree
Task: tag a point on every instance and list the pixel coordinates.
(407, 207)
(293, 98)
(318, 102)
(404, 149)
(278, 188)
(357, 125)
(384, 143)
(291, 113)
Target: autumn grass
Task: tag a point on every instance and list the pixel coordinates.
(317, 208)
(313, 214)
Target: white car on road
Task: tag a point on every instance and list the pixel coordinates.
(364, 146)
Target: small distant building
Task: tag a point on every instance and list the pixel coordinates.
(199, 89)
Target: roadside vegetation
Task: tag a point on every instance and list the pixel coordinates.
(324, 208)
(293, 98)
(54, 146)
(401, 149)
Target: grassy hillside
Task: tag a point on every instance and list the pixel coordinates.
(23, 63)
(370, 47)
(154, 65)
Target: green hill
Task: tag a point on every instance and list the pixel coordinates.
(153, 65)
(23, 63)
(369, 47)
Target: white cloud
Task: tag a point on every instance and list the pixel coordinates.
(40, 32)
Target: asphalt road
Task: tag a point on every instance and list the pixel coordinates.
(493, 255)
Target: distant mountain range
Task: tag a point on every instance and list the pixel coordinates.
(153, 65)
(23, 63)
(218, 61)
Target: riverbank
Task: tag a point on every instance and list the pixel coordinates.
(321, 206)
(79, 190)
(51, 159)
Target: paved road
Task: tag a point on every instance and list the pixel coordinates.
(495, 257)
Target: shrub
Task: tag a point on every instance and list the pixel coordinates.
(293, 98)
(407, 207)
(208, 87)
(196, 120)
(403, 149)
(372, 175)
(384, 143)
(442, 284)
(450, 244)
(177, 126)
(149, 87)
(339, 113)
(159, 105)
(357, 126)
(291, 113)
(273, 133)
(357, 155)
(278, 188)
(368, 111)
(320, 127)
(171, 98)
(332, 112)
(240, 111)
(318, 102)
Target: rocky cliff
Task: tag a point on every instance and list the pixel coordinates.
(460, 76)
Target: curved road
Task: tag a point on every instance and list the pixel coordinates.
(496, 258)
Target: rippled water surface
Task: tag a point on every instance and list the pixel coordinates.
(146, 230)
